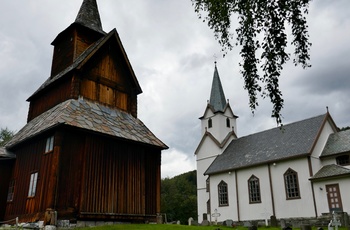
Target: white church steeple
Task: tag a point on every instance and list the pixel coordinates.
(218, 130)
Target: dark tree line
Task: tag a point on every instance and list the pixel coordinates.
(179, 197)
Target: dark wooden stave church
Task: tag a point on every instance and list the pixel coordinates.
(83, 152)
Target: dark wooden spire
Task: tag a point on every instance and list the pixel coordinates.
(89, 16)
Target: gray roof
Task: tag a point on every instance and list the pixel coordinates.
(329, 171)
(89, 16)
(89, 116)
(217, 96)
(4, 154)
(337, 143)
(295, 139)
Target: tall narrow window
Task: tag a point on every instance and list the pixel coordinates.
(49, 144)
(223, 193)
(208, 206)
(254, 190)
(11, 191)
(228, 122)
(210, 123)
(292, 184)
(207, 185)
(32, 184)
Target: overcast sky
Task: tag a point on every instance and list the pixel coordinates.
(171, 52)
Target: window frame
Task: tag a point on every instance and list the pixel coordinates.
(33, 184)
(210, 123)
(49, 146)
(228, 122)
(343, 160)
(291, 176)
(254, 190)
(11, 190)
(223, 194)
(207, 184)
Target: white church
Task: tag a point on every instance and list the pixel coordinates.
(300, 171)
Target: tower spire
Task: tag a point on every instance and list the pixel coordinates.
(89, 16)
(217, 96)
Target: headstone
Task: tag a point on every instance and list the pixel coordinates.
(283, 223)
(228, 223)
(334, 222)
(205, 223)
(247, 224)
(50, 227)
(273, 221)
(159, 218)
(216, 215)
(178, 222)
(190, 221)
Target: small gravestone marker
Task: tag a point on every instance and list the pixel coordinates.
(334, 222)
(273, 221)
(190, 221)
(216, 215)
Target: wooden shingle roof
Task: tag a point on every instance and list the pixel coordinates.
(295, 139)
(89, 116)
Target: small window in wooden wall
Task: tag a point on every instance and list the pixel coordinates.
(49, 144)
(291, 184)
(32, 184)
(11, 191)
(254, 190)
(223, 193)
(343, 160)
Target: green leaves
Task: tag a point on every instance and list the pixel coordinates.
(262, 29)
(5, 136)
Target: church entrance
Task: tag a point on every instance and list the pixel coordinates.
(334, 198)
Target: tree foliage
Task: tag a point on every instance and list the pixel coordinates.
(179, 197)
(262, 28)
(5, 136)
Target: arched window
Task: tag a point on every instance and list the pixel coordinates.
(223, 193)
(254, 190)
(210, 123)
(292, 184)
(228, 122)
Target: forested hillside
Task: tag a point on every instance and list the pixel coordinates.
(179, 197)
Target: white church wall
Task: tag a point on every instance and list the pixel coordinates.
(321, 194)
(290, 208)
(251, 211)
(226, 212)
(219, 128)
(319, 146)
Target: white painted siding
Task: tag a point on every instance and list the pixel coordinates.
(303, 207)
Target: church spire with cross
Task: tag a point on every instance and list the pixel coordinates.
(217, 96)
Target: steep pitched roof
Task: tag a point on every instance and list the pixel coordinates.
(295, 139)
(89, 116)
(337, 143)
(330, 171)
(85, 56)
(89, 16)
(217, 96)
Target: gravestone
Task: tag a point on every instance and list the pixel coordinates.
(273, 221)
(283, 223)
(228, 223)
(205, 223)
(216, 215)
(305, 227)
(334, 222)
(190, 221)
